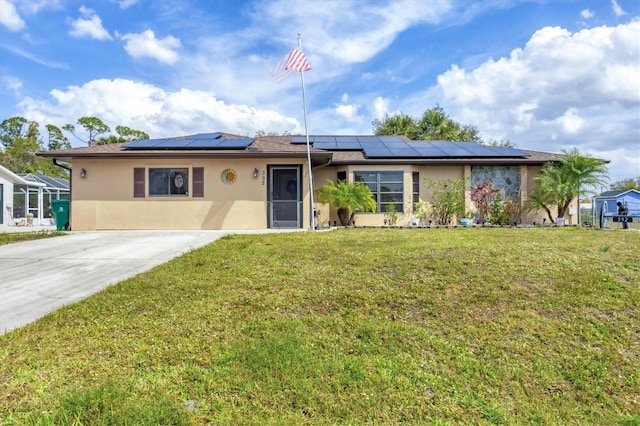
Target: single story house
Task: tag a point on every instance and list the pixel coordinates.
(225, 181)
(605, 205)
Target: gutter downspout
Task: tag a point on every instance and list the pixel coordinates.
(70, 170)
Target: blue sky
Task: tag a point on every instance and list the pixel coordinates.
(547, 75)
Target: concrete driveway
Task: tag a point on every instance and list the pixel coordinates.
(37, 277)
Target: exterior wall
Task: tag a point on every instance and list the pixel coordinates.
(327, 215)
(528, 175)
(104, 198)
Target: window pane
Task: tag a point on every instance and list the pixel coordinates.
(168, 182)
(391, 176)
(388, 198)
(391, 187)
(387, 187)
(364, 177)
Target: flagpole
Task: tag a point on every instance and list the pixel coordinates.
(306, 131)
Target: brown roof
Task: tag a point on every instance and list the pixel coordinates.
(281, 146)
(265, 146)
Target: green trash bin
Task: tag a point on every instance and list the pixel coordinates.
(61, 210)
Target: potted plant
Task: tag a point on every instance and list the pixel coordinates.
(421, 212)
(390, 215)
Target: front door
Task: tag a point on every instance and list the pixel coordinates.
(285, 197)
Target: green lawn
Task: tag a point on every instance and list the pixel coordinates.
(356, 326)
(15, 237)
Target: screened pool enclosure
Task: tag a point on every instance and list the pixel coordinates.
(36, 199)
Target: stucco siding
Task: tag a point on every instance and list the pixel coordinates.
(104, 199)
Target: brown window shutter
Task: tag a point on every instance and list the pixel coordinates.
(138, 182)
(198, 182)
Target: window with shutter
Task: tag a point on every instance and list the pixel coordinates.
(198, 182)
(138, 182)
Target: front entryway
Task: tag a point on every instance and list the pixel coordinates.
(285, 197)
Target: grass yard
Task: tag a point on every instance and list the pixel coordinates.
(15, 237)
(356, 326)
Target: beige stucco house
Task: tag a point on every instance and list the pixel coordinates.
(224, 181)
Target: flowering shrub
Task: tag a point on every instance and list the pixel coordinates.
(483, 196)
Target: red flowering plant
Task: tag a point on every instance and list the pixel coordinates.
(482, 196)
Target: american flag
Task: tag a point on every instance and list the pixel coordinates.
(294, 61)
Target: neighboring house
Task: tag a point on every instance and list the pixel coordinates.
(605, 205)
(9, 213)
(224, 181)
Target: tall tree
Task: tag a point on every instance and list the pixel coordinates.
(574, 175)
(125, 134)
(624, 184)
(21, 140)
(434, 124)
(92, 125)
(399, 124)
(17, 127)
(57, 140)
(129, 134)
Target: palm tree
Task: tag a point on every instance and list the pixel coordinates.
(435, 125)
(539, 200)
(574, 174)
(399, 124)
(347, 198)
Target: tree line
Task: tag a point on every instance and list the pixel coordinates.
(433, 125)
(21, 139)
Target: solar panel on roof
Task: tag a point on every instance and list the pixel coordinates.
(301, 139)
(369, 139)
(452, 149)
(427, 149)
(325, 139)
(510, 152)
(199, 141)
(376, 150)
(325, 145)
(200, 144)
(235, 143)
(141, 144)
(172, 143)
(475, 149)
(215, 135)
(402, 150)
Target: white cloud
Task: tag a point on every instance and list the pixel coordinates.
(380, 107)
(617, 10)
(343, 30)
(11, 84)
(90, 25)
(9, 16)
(587, 13)
(35, 6)
(37, 59)
(570, 122)
(348, 112)
(147, 45)
(124, 4)
(561, 89)
(154, 110)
